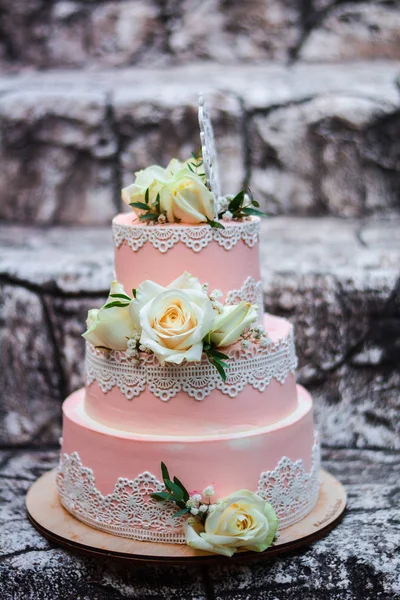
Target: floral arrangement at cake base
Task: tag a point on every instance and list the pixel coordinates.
(242, 520)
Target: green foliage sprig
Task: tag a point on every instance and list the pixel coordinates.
(243, 205)
(151, 211)
(176, 492)
(123, 302)
(216, 357)
(196, 164)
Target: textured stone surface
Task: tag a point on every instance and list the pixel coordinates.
(58, 157)
(308, 140)
(325, 155)
(337, 280)
(81, 33)
(358, 559)
(362, 29)
(235, 31)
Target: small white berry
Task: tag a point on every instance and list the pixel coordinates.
(245, 344)
(203, 508)
(194, 511)
(208, 491)
(162, 219)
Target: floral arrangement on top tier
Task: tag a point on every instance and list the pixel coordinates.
(180, 194)
(241, 520)
(176, 323)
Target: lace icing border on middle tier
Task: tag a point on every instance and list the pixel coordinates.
(254, 366)
(130, 512)
(195, 237)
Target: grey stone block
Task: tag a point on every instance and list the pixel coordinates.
(357, 559)
(342, 294)
(58, 156)
(325, 156)
(344, 30)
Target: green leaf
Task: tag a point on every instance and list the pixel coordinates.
(157, 204)
(175, 489)
(218, 361)
(124, 296)
(220, 369)
(184, 490)
(252, 211)
(148, 216)
(218, 354)
(236, 202)
(140, 205)
(190, 169)
(164, 471)
(182, 512)
(116, 304)
(162, 496)
(255, 203)
(215, 224)
(146, 196)
(134, 292)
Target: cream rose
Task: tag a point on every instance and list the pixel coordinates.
(187, 199)
(173, 320)
(110, 327)
(231, 322)
(152, 179)
(241, 520)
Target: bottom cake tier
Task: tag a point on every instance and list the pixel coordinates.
(106, 475)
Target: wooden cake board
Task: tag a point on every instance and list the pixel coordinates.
(48, 516)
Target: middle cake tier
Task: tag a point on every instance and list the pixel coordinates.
(146, 397)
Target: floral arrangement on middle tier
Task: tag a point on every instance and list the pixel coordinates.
(176, 323)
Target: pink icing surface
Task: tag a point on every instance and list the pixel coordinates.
(229, 461)
(217, 413)
(222, 269)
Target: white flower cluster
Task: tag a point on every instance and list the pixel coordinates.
(195, 503)
(132, 346)
(214, 297)
(255, 335)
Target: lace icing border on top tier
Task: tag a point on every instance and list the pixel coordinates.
(195, 237)
(130, 512)
(254, 366)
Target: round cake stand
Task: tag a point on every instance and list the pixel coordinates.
(47, 515)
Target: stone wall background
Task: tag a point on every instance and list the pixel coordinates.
(305, 102)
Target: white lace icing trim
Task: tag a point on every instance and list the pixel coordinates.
(290, 489)
(195, 237)
(254, 366)
(130, 512)
(251, 291)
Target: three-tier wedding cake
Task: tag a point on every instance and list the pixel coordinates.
(186, 375)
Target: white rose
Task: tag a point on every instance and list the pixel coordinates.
(110, 327)
(174, 320)
(241, 520)
(187, 199)
(152, 179)
(231, 322)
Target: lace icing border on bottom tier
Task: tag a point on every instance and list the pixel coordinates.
(130, 512)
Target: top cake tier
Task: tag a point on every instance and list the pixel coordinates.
(227, 259)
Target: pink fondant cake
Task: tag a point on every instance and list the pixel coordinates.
(180, 373)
